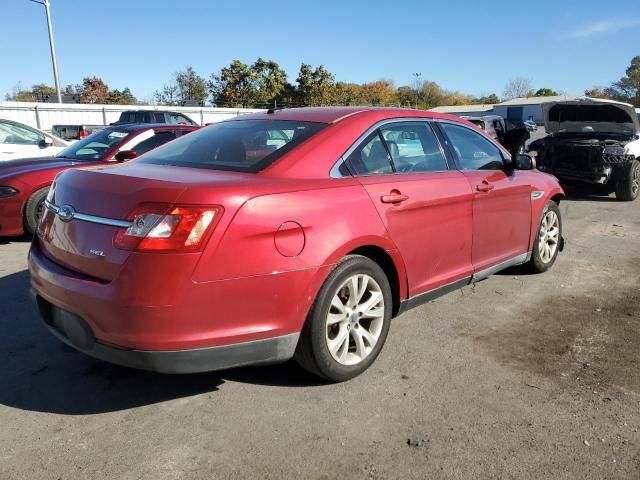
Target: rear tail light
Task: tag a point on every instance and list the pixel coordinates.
(166, 228)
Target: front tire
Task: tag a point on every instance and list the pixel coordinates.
(349, 321)
(628, 184)
(33, 210)
(548, 239)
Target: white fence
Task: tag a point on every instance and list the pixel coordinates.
(45, 115)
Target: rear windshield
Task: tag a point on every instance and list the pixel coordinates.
(237, 145)
(95, 146)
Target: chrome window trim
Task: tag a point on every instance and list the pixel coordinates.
(506, 156)
(334, 172)
(90, 218)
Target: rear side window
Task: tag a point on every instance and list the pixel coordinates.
(237, 145)
(158, 139)
(474, 152)
(370, 157)
(158, 117)
(413, 147)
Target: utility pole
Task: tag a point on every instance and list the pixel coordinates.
(417, 87)
(46, 4)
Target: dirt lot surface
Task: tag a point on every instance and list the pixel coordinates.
(518, 376)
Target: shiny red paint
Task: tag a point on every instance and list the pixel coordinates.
(30, 175)
(281, 232)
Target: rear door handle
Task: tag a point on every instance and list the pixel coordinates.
(485, 187)
(394, 197)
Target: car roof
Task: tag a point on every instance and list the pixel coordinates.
(336, 114)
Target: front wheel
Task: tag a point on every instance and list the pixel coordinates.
(34, 209)
(628, 184)
(349, 321)
(548, 240)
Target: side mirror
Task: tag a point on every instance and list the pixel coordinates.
(45, 142)
(524, 162)
(124, 155)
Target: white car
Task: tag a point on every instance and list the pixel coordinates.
(18, 140)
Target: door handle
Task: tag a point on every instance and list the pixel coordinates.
(485, 186)
(394, 197)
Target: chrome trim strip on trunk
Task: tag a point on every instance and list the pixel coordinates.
(90, 218)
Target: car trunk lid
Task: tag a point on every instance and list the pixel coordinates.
(108, 195)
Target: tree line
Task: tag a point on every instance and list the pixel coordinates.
(265, 84)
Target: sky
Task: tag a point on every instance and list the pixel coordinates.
(466, 45)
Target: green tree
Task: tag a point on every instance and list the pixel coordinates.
(124, 97)
(628, 87)
(233, 86)
(546, 92)
(487, 99)
(315, 86)
(168, 95)
(21, 95)
(380, 92)
(191, 86)
(269, 82)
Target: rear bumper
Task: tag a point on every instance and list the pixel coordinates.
(75, 332)
(168, 323)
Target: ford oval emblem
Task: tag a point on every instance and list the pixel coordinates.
(66, 213)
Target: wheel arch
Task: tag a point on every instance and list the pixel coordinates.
(397, 281)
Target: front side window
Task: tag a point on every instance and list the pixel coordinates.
(474, 152)
(413, 147)
(235, 145)
(370, 157)
(95, 146)
(17, 135)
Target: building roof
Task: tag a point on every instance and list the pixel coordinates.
(537, 100)
(463, 108)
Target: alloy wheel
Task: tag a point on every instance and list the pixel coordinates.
(355, 319)
(635, 179)
(549, 236)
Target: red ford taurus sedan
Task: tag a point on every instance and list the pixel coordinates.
(295, 233)
(24, 183)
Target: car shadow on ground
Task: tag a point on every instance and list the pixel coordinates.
(41, 374)
(20, 239)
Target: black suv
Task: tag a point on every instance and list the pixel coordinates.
(153, 116)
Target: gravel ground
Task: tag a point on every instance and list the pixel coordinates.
(519, 376)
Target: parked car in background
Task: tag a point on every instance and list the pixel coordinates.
(154, 116)
(512, 134)
(293, 233)
(24, 184)
(592, 141)
(75, 132)
(18, 140)
(531, 125)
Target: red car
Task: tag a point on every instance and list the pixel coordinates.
(24, 184)
(204, 254)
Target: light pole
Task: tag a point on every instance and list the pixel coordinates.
(417, 86)
(53, 48)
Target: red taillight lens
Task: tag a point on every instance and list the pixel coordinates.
(83, 133)
(166, 228)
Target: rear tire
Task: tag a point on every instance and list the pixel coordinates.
(33, 210)
(349, 321)
(628, 184)
(548, 241)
